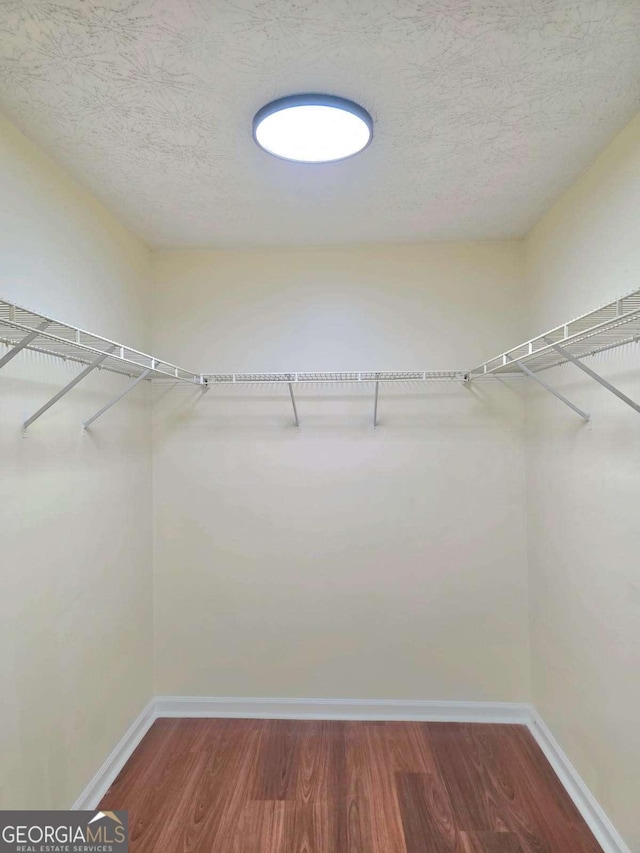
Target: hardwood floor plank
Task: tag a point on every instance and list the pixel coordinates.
(278, 762)
(409, 750)
(512, 788)
(426, 814)
(535, 764)
(223, 789)
(503, 781)
(359, 804)
(312, 829)
(490, 842)
(373, 795)
(553, 821)
(460, 767)
(144, 766)
(322, 761)
(262, 827)
(162, 796)
(321, 790)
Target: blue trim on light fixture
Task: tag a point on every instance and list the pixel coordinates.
(312, 100)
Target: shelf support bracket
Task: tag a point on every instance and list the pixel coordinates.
(117, 399)
(76, 379)
(24, 343)
(584, 415)
(594, 375)
(293, 403)
(375, 406)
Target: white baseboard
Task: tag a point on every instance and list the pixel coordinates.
(605, 832)
(343, 709)
(361, 709)
(102, 781)
(293, 709)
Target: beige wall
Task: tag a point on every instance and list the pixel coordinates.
(584, 492)
(333, 561)
(75, 516)
(339, 561)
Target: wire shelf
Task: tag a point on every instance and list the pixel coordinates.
(344, 376)
(21, 327)
(612, 325)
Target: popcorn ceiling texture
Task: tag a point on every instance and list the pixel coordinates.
(485, 110)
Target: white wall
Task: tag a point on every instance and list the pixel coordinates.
(339, 561)
(75, 559)
(584, 491)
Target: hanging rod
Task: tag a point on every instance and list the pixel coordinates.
(22, 328)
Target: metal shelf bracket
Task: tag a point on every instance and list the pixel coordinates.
(293, 403)
(117, 399)
(375, 406)
(584, 415)
(76, 379)
(601, 380)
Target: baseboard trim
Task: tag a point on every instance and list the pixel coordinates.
(342, 709)
(292, 709)
(102, 781)
(361, 709)
(598, 822)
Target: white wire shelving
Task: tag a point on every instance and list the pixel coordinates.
(612, 325)
(348, 376)
(24, 329)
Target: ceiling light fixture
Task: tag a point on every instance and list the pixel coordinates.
(312, 128)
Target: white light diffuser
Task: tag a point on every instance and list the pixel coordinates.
(312, 128)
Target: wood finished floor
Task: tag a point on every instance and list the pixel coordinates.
(282, 786)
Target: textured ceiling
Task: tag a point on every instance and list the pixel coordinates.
(484, 110)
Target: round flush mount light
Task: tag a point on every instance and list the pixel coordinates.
(312, 128)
